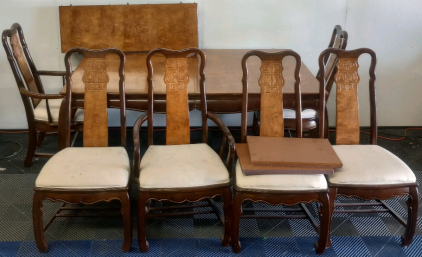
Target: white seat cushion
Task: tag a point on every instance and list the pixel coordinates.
(40, 112)
(369, 165)
(306, 114)
(280, 182)
(86, 168)
(181, 166)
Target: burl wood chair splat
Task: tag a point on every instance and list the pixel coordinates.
(347, 79)
(271, 83)
(95, 98)
(23, 67)
(177, 109)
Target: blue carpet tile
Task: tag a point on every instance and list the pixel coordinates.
(271, 247)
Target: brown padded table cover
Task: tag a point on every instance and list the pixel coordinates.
(296, 152)
(242, 151)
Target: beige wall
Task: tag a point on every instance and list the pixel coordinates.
(393, 29)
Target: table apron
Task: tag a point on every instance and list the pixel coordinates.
(215, 103)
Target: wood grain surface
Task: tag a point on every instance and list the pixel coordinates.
(176, 79)
(224, 74)
(271, 83)
(347, 79)
(295, 152)
(95, 106)
(242, 151)
(136, 74)
(129, 27)
(23, 67)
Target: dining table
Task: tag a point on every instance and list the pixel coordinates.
(223, 84)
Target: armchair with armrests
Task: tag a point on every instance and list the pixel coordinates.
(179, 171)
(94, 172)
(369, 172)
(42, 110)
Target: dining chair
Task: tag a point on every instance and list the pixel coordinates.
(369, 172)
(286, 189)
(310, 115)
(94, 172)
(179, 171)
(42, 110)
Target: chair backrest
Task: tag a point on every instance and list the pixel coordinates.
(95, 78)
(339, 41)
(347, 109)
(271, 82)
(22, 65)
(176, 79)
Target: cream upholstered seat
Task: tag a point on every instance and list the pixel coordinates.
(280, 182)
(86, 168)
(40, 112)
(181, 166)
(306, 114)
(369, 165)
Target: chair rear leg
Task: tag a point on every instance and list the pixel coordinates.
(412, 216)
(237, 212)
(255, 124)
(32, 134)
(127, 221)
(324, 233)
(227, 206)
(326, 124)
(37, 211)
(41, 136)
(142, 216)
(314, 133)
(332, 194)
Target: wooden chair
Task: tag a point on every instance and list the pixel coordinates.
(179, 171)
(95, 172)
(309, 115)
(369, 171)
(283, 189)
(42, 110)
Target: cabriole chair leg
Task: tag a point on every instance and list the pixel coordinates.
(324, 233)
(142, 216)
(127, 221)
(237, 212)
(227, 206)
(37, 211)
(412, 216)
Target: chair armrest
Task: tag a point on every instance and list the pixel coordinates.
(137, 146)
(227, 137)
(51, 73)
(40, 95)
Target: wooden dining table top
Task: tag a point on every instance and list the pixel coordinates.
(223, 74)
